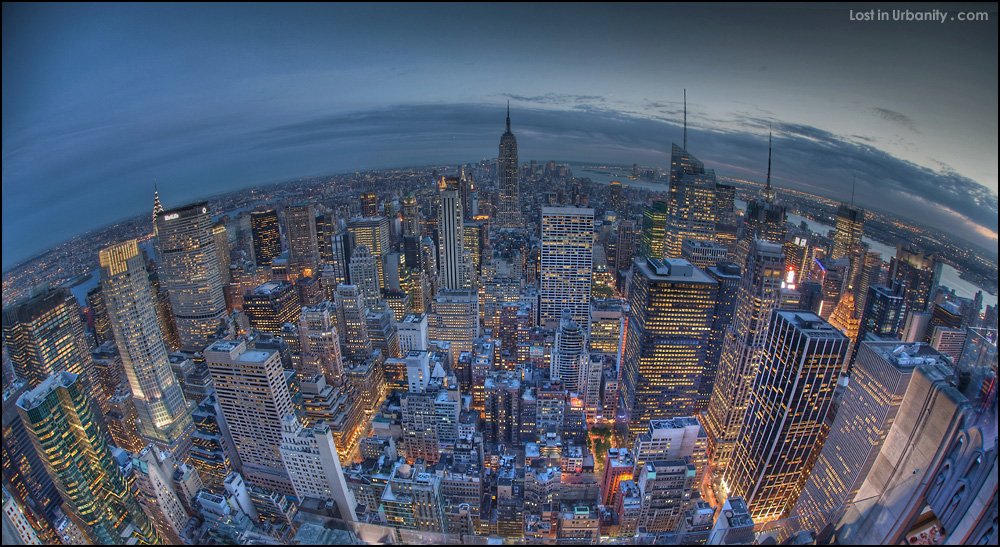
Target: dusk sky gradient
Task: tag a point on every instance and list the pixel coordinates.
(100, 100)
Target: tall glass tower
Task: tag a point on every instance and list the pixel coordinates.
(157, 394)
(71, 445)
(510, 209)
(190, 272)
(691, 206)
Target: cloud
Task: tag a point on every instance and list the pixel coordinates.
(896, 118)
(113, 174)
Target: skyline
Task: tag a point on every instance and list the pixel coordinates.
(110, 99)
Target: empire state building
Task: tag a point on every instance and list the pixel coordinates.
(509, 215)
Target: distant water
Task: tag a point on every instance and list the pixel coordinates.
(949, 275)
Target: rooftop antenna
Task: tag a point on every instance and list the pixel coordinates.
(768, 193)
(685, 118)
(508, 115)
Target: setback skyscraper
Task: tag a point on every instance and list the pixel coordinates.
(303, 245)
(742, 348)
(157, 394)
(691, 205)
(509, 213)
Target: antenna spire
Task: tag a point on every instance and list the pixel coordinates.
(508, 115)
(768, 192)
(685, 118)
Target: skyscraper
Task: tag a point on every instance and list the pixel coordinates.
(373, 232)
(567, 263)
(154, 476)
(509, 211)
(569, 352)
(352, 315)
(784, 421)
(303, 245)
(765, 219)
(867, 411)
(157, 395)
(72, 448)
(452, 238)
(253, 394)
(369, 204)
(271, 305)
(311, 457)
(691, 205)
(23, 472)
(44, 335)
(266, 236)
(742, 348)
(670, 316)
(365, 274)
(918, 273)
(654, 226)
(411, 216)
(102, 327)
(625, 246)
(727, 274)
(850, 228)
(190, 272)
(882, 317)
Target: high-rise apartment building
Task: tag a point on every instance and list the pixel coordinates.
(691, 205)
(266, 236)
(742, 347)
(509, 211)
(156, 393)
(784, 422)
(73, 450)
(670, 316)
(253, 394)
(190, 272)
(567, 263)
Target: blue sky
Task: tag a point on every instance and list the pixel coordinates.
(100, 100)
